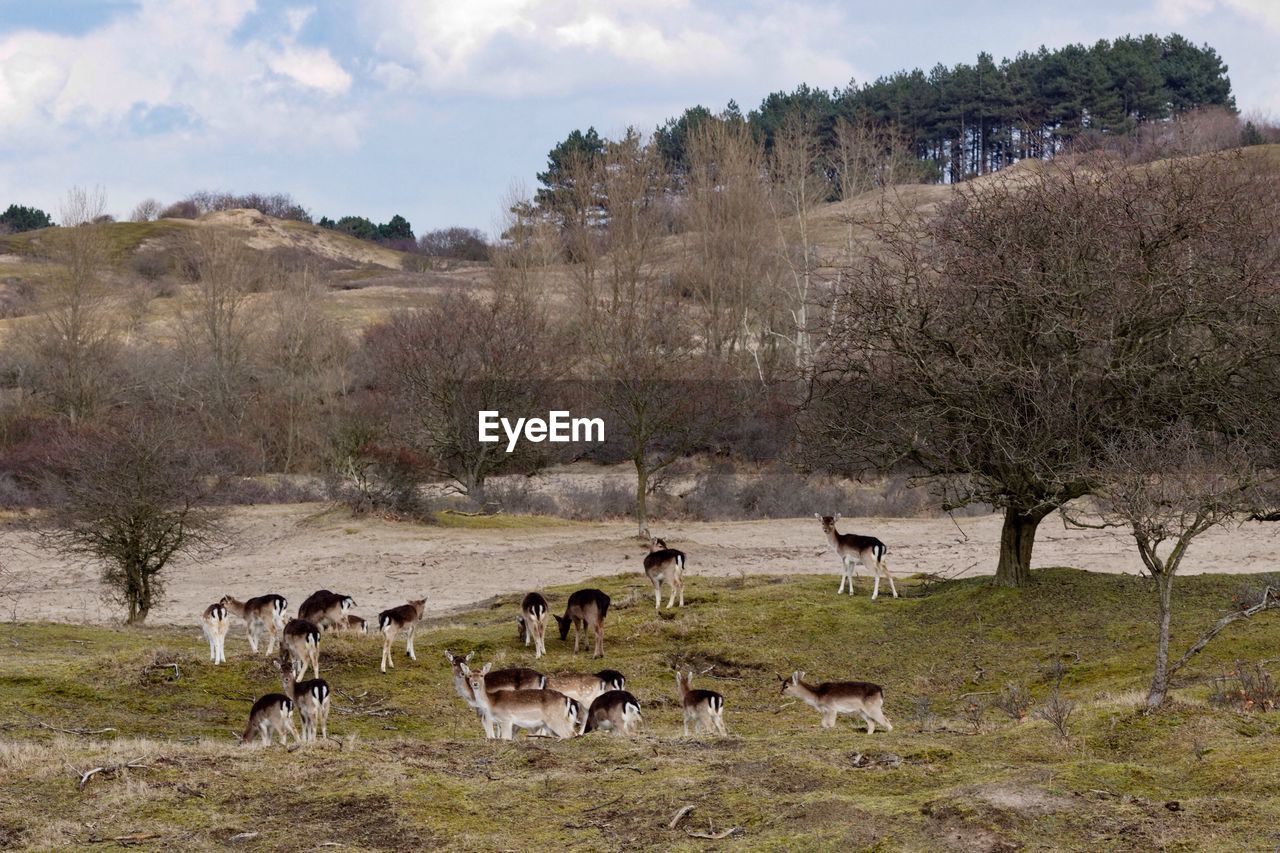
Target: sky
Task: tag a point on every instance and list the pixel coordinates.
(437, 109)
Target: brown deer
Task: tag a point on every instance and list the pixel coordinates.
(533, 623)
(585, 687)
(263, 613)
(302, 640)
(326, 610)
(391, 622)
(585, 612)
(215, 622)
(310, 697)
(515, 678)
(615, 711)
(704, 708)
(506, 710)
(663, 564)
(840, 697)
(852, 548)
(272, 714)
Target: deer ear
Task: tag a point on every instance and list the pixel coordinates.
(796, 676)
(469, 655)
(487, 667)
(816, 515)
(837, 516)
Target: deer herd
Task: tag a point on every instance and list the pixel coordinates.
(560, 705)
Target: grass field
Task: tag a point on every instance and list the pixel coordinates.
(412, 770)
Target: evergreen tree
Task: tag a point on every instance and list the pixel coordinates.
(18, 218)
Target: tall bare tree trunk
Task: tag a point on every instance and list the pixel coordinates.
(642, 494)
(1017, 537)
(1160, 680)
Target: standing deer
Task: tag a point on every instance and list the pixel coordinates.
(852, 548)
(515, 678)
(664, 564)
(403, 618)
(704, 708)
(215, 622)
(272, 714)
(532, 623)
(616, 711)
(310, 697)
(585, 687)
(585, 612)
(302, 640)
(840, 697)
(355, 625)
(326, 610)
(506, 710)
(263, 613)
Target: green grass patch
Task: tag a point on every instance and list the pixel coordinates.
(414, 771)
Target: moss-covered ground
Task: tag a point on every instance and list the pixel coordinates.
(409, 768)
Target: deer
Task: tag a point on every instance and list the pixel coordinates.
(216, 621)
(614, 711)
(506, 710)
(515, 678)
(704, 708)
(302, 640)
(852, 548)
(310, 697)
(831, 698)
(391, 622)
(532, 623)
(664, 564)
(272, 714)
(265, 612)
(585, 687)
(354, 625)
(326, 610)
(585, 612)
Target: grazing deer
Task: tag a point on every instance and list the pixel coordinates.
(354, 625)
(515, 678)
(263, 613)
(272, 714)
(216, 621)
(852, 548)
(840, 697)
(615, 711)
(391, 622)
(326, 610)
(302, 641)
(506, 710)
(585, 687)
(585, 612)
(310, 697)
(704, 708)
(532, 623)
(664, 564)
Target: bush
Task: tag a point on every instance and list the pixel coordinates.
(18, 218)
(17, 298)
(151, 265)
(456, 244)
(1248, 687)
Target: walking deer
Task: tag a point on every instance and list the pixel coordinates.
(215, 622)
(533, 623)
(831, 698)
(263, 613)
(302, 640)
(852, 548)
(326, 610)
(272, 714)
(310, 697)
(585, 612)
(506, 710)
(585, 687)
(663, 564)
(391, 622)
(616, 711)
(704, 708)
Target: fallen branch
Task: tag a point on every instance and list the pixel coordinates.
(108, 768)
(596, 808)
(679, 816)
(177, 673)
(711, 834)
(1270, 601)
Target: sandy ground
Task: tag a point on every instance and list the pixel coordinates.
(296, 549)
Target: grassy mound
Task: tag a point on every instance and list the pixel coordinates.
(412, 769)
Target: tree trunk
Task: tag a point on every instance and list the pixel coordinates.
(642, 494)
(1160, 680)
(1017, 536)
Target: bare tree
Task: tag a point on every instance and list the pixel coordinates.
(146, 210)
(132, 498)
(998, 347)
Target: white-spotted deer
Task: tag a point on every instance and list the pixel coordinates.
(585, 613)
(704, 708)
(840, 697)
(302, 640)
(515, 678)
(326, 610)
(506, 710)
(215, 622)
(615, 711)
(391, 622)
(851, 549)
(310, 697)
(664, 565)
(585, 687)
(272, 714)
(262, 613)
(533, 623)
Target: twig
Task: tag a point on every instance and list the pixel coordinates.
(711, 834)
(109, 768)
(177, 673)
(1270, 601)
(614, 801)
(67, 731)
(679, 816)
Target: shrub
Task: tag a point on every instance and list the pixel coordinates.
(457, 244)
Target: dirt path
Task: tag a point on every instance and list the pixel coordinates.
(296, 549)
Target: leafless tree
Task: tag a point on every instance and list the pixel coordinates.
(997, 348)
(147, 210)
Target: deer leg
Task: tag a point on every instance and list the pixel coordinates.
(409, 644)
(657, 595)
(885, 568)
(828, 719)
(672, 600)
